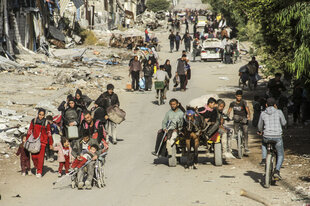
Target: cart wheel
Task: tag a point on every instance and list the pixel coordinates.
(172, 161)
(218, 159)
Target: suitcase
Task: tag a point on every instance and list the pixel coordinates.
(116, 114)
(73, 132)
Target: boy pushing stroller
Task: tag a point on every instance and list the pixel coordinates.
(86, 152)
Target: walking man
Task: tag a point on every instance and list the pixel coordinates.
(106, 100)
(172, 40)
(181, 72)
(177, 41)
(187, 42)
(134, 72)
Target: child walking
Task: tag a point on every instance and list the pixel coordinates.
(24, 157)
(64, 155)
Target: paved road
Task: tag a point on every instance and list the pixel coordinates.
(132, 177)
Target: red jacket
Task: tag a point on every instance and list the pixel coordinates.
(45, 134)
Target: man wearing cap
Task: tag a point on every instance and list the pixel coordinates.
(270, 126)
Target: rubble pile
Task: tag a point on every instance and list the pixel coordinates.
(151, 20)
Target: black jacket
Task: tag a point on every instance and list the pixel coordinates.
(106, 100)
(168, 70)
(148, 70)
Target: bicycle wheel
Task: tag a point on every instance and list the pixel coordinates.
(268, 170)
(240, 144)
(161, 97)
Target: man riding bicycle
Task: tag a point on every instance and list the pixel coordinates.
(270, 126)
(241, 116)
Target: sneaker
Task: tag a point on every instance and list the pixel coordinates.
(277, 175)
(154, 153)
(23, 174)
(29, 173)
(88, 185)
(263, 162)
(59, 174)
(156, 96)
(80, 185)
(38, 175)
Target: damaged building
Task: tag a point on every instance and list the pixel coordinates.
(31, 25)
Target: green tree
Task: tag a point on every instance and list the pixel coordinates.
(298, 14)
(157, 5)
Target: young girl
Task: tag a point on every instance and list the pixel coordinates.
(24, 157)
(64, 155)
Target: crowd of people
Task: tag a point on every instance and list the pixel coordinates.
(214, 27)
(142, 73)
(270, 124)
(84, 131)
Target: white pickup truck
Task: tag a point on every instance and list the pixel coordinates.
(211, 50)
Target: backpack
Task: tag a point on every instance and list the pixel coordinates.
(252, 69)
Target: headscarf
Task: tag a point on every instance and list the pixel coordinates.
(78, 91)
(40, 121)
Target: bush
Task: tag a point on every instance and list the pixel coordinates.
(89, 37)
(157, 5)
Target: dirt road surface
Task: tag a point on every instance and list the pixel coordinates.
(133, 178)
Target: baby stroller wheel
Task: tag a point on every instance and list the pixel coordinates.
(100, 174)
(73, 185)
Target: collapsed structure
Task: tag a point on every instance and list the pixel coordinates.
(32, 24)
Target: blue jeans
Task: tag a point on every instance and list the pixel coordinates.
(279, 148)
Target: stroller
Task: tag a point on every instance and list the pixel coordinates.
(99, 176)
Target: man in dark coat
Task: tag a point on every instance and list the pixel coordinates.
(106, 100)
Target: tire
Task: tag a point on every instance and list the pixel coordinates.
(268, 170)
(218, 159)
(172, 161)
(240, 145)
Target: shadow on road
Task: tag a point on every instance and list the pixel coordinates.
(256, 176)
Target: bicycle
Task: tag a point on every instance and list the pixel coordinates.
(160, 86)
(271, 161)
(240, 141)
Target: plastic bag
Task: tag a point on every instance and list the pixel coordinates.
(142, 83)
